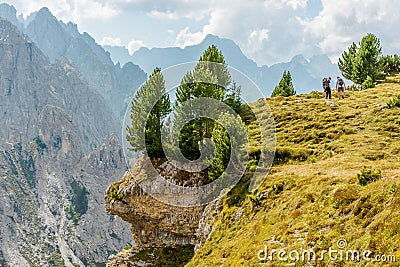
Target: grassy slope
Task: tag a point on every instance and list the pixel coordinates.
(312, 196)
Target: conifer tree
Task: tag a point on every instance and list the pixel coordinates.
(224, 143)
(206, 80)
(347, 60)
(151, 123)
(233, 99)
(362, 61)
(285, 86)
(366, 61)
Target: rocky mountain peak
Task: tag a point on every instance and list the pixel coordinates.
(10, 13)
(28, 78)
(57, 40)
(299, 59)
(44, 23)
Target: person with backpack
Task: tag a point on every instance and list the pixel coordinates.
(340, 87)
(326, 85)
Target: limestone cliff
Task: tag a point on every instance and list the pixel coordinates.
(29, 83)
(57, 39)
(156, 226)
(154, 223)
(57, 155)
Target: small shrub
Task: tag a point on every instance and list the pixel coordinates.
(367, 176)
(315, 94)
(394, 102)
(381, 76)
(393, 188)
(39, 143)
(114, 195)
(368, 83)
(255, 200)
(313, 159)
(285, 154)
(279, 188)
(354, 87)
(345, 196)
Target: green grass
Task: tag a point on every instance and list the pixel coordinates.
(312, 196)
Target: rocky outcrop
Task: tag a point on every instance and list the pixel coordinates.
(156, 226)
(153, 223)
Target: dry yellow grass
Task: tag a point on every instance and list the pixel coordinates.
(312, 201)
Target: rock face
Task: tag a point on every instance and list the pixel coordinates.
(10, 13)
(57, 155)
(155, 226)
(51, 210)
(153, 223)
(58, 39)
(28, 83)
(62, 40)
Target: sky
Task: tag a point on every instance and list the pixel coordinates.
(267, 31)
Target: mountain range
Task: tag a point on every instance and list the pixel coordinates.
(307, 74)
(116, 74)
(58, 151)
(57, 40)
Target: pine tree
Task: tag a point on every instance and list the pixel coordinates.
(151, 123)
(217, 76)
(220, 71)
(285, 86)
(224, 143)
(347, 60)
(233, 99)
(361, 61)
(206, 80)
(389, 64)
(366, 61)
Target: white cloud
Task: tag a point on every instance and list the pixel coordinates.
(272, 31)
(93, 10)
(268, 31)
(259, 35)
(186, 38)
(60, 8)
(342, 22)
(296, 4)
(67, 10)
(111, 41)
(134, 45)
(163, 15)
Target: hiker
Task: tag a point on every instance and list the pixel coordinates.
(326, 85)
(340, 87)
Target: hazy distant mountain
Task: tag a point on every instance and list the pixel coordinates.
(57, 39)
(119, 54)
(10, 13)
(307, 74)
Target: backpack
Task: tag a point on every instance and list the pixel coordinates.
(325, 83)
(340, 81)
